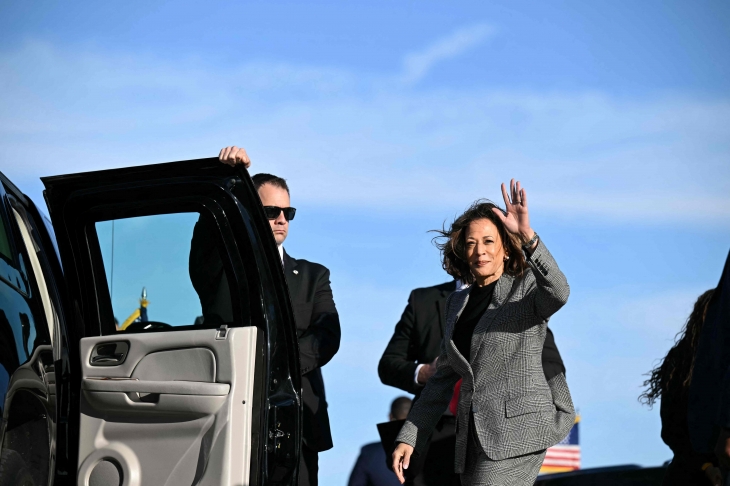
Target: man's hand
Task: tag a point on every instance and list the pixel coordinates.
(722, 448)
(401, 460)
(426, 372)
(234, 155)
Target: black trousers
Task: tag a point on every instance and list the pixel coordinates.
(308, 467)
(438, 461)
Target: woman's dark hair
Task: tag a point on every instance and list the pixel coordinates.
(677, 365)
(453, 243)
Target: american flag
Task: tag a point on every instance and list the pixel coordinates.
(565, 455)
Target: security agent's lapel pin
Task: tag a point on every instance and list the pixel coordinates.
(296, 272)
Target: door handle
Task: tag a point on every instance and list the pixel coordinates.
(115, 359)
(109, 354)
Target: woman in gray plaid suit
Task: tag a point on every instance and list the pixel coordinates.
(508, 414)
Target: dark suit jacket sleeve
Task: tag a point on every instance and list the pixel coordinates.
(398, 363)
(359, 475)
(319, 343)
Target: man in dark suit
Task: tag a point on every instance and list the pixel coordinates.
(409, 361)
(371, 467)
(317, 321)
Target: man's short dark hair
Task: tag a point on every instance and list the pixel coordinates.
(400, 407)
(261, 179)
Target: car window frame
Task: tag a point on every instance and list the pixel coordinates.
(94, 284)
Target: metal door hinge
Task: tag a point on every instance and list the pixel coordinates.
(222, 332)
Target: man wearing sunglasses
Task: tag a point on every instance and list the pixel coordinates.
(318, 325)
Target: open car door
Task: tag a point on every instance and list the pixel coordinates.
(197, 381)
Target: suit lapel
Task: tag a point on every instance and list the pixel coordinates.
(290, 273)
(500, 295)
(458, 301)
(501, 291)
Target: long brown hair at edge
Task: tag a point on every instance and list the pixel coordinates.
(677, 365)
(452, 243)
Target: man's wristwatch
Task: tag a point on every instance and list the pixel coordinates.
(528, 246)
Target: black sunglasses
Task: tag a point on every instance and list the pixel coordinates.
(273, 212)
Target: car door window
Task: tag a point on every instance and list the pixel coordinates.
(159, 277)
(5, 251)
(12, 268)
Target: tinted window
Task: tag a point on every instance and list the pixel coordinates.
(12, 270)
(5, 251)
(148, 265)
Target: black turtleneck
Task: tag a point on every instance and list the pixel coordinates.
(479, 299)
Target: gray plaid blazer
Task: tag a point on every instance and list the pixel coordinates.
(516, 411)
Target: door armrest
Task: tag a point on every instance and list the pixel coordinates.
(161, 387)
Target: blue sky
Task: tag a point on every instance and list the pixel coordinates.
(388, 118)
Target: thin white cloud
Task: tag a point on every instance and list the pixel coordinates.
(417, 64)
(340, 138)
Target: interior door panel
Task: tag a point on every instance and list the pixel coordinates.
(177, 410)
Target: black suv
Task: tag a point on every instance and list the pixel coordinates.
(99, 388)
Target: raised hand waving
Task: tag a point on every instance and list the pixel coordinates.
(517, 220)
